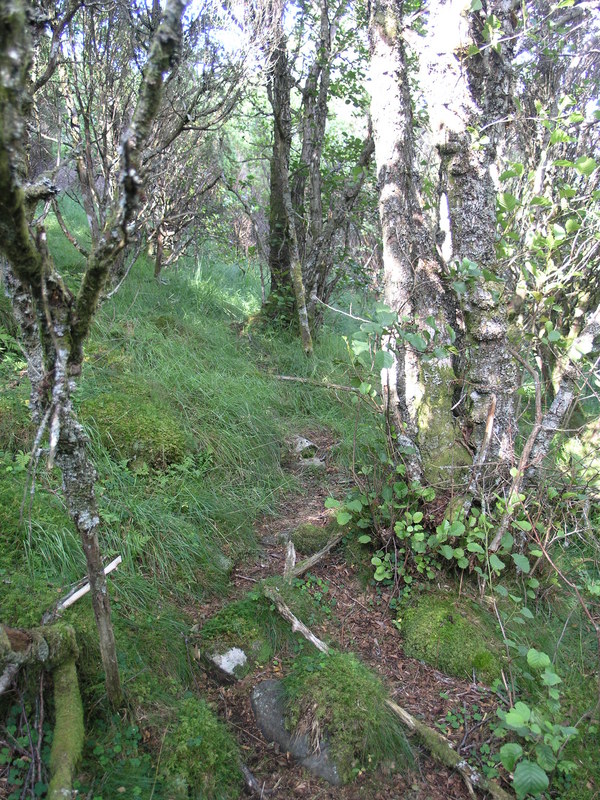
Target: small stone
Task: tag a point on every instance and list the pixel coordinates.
(303, 447)
(229, 661)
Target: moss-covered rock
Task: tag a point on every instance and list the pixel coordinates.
(247, 624)
(200, 757)
(456, 637)
(137, 427)
(338, 697)
(309, 539)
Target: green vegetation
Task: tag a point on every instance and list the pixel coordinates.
(200, 756)
(455, 636)
(338, 697)
(309, 539)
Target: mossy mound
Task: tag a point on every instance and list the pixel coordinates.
(255, 627)
(248, 624)
(200, 757)
(455, 637)
(337, 696)
(309, 539)
(137, 427)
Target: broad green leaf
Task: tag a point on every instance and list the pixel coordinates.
(529, 778)
(523, 524)
(417, 341)
(364, 539)
(507, 201)
(447, 551)
(514, 719)
(585, 165)
(456, 529)
(473, 547)
(510, 753)
(550, 678)
(522, 562)
(495, 563)
(353, 505)
(330, 502)
(525, 612)
(417, 516)
(383, 360)
(343, 518)
(537, 660)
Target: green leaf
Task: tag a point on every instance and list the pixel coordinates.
(550, 678)
(417, 341)
(545, 757)
(495, 563)
(514, 720)
(353, 505)
(332, 503)
(417, 516)
(473, 547)
(476, 5)
(447, 551)
(585, 165)
(529, 778)
(523, 524)
(510, 753)
(364, 539)
(537, 660)
(456, 529)
(343, 518)
(522, 562)
(525, 612)
(507, 201)
(383, 360)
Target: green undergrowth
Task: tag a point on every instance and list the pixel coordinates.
(187, 428)
(455, 636)
(339, 697)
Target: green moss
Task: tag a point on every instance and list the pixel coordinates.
(67, 742)
(338, 696)
(456, 638)
(134, 426)
(200, 757)
(248, 624)
(309, 539)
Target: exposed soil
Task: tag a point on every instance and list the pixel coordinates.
(360, 621)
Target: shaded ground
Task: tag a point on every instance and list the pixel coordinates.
(361, 621)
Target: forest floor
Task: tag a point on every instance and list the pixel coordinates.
(360, 620)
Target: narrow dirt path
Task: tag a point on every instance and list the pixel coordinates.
(361, 621)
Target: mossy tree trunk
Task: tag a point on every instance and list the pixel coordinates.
(481, 97)
(284, 239)
(55, 323)
(419, 390)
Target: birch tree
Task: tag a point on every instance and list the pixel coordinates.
(54, 322)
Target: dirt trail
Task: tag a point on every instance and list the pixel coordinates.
(360, 621)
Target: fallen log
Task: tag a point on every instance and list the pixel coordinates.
(67, 742)
(309, 562)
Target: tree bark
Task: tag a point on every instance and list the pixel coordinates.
(480, 96)
(418, 390)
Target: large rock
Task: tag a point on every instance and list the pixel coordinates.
(268, 705)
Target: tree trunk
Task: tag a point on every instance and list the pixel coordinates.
(480, 96)
(419, 391)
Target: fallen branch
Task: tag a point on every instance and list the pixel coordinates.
(67, 741)
(297, 626)
(75, 594)
(309, 562)
(439, 747)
